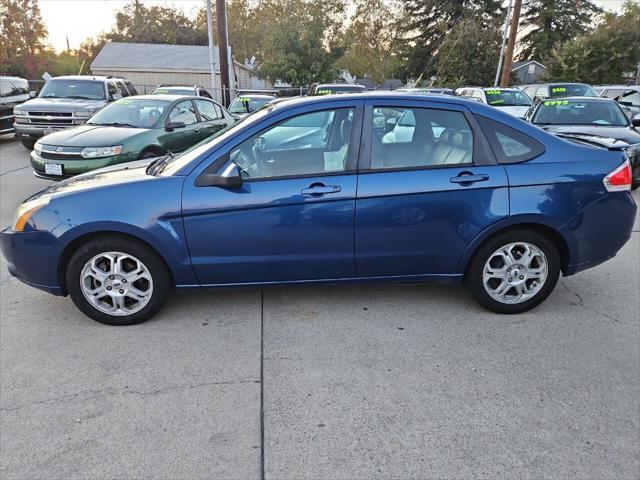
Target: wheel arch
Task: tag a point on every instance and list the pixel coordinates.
(77, 242)
(550, 232)
(152, 148)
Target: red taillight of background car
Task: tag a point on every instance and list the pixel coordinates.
(620, 179)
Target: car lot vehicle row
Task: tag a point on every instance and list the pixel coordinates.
(316, 190)
(132, 128)
(13, 92)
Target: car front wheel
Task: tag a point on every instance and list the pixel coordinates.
(514, 271)
(28, 143)
(117, 281)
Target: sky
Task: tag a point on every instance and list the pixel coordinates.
(79, 19)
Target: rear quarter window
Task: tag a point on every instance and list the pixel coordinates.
(508, 144)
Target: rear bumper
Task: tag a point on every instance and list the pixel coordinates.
(32, 257)
(599, 231)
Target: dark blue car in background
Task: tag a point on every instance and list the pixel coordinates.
(332, 189)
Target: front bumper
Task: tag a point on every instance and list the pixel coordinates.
(32, 257)
(70, 167)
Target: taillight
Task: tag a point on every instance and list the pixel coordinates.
(620, 179)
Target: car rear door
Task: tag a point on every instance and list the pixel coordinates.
(292, 219)
(422, 200)
(211, 118)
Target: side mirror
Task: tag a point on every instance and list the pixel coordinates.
(171, 126)
(635, 121)
(33, 94)
(228, 177)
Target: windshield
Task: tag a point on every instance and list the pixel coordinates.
(83, 89)
(248, 104)
(507, 98)
(173, 91)
(575, 112)
(572, 90)
(329, 89)
(130, 113)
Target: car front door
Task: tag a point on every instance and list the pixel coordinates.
(423, 198)
(211, 118)
(292, 219)
(182, 128)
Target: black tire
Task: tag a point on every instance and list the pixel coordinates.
(28, 143)
(149, 154)
(474, 276)
(161, 277)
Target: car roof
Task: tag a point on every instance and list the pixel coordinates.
(628, 87)
(340, 85)
(12, 77)
(580, 99)
(166, 97)
(86, 77)
(255, 95)
(377, 95)
(194, 87)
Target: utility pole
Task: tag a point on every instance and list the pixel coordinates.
(505, 34)
(508, 60)
(223, 53)
(212, 66)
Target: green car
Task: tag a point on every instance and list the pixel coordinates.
(133, 128)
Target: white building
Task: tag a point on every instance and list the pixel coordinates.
(147, 65)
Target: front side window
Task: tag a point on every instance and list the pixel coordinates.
(183, 112)
(208, 110)
(82, 89)
(419, 137)
(315, 143)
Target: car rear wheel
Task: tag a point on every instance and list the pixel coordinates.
(117, 281)
(28, 143)
(514, 271)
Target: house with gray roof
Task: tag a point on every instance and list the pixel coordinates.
(147, 65)
(528, 71)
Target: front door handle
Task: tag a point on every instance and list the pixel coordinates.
(469, 178)
(319, 189)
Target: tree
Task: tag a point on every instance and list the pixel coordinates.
(22, 35)
(428, 23)
(303, 41)
(469, 55)
(371, 40)
(550, 23)
(604, 55)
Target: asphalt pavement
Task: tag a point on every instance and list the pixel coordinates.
(322, 381)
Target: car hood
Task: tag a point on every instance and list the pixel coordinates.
(91, 136)
(102, 178)
(515, 110)
(612, 137)
(62, 105)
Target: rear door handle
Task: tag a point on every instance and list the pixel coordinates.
(468, 177)
(318, 190)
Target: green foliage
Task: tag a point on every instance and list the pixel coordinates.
(22, 36)
(469, 55)
(550, 23)
(428, 23)
(604, 55)
(371, 40)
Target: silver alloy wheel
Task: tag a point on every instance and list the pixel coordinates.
(515, 273)
(116, 283)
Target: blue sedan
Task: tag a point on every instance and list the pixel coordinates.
(337, 188)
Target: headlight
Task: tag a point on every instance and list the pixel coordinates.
(26, 210)
(37, 147)
(19, 113)
(98, 152)
(83, 114)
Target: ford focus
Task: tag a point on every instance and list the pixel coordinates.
(315, 190)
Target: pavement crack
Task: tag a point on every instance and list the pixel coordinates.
(581, 304)
(109, 392)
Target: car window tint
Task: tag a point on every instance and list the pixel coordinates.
(309, 144)
(509, 145)
(419, 137)
(111, 88)
(208, 111)
(183, 112)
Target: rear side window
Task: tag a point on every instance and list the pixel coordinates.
(509, 145)
(208, 110)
